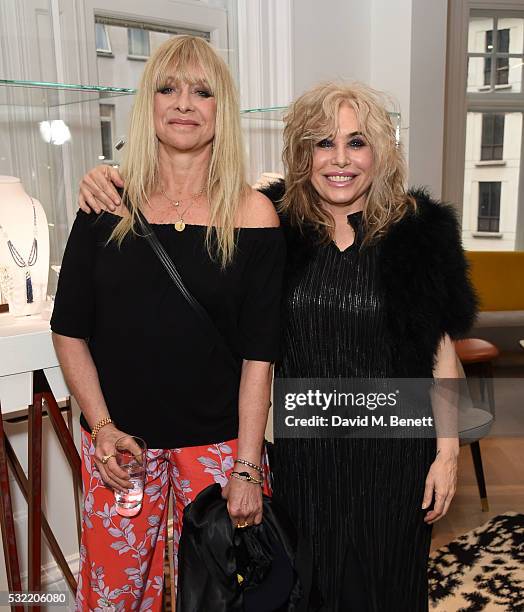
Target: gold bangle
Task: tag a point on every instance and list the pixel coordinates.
(102, 423)
(251, 465)
(246, 477)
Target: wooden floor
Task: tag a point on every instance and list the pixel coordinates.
(503, 460)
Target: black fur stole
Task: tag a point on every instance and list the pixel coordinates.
(424, 273)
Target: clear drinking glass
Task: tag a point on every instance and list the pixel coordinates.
(131, 456)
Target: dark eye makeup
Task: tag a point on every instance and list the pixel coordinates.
(357, 142)
(326, 143)
(204, 93)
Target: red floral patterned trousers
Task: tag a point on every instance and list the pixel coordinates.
(122, 559)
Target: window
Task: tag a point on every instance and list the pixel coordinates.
(502, 68)
(502, 76)
(487, 61)
(103, 44)
(138, 42)
(492, 136)
(489, 207)
(106, 131)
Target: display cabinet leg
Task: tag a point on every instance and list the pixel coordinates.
(23, 483)
(64, 435)
(77, 478)
(34, 501)
(7, 522)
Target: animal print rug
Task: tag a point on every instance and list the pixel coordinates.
(481, 570)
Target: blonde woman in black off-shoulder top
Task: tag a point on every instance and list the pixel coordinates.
(133, 351)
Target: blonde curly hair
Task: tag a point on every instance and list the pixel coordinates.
(314, 117)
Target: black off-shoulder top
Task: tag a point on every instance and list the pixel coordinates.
(162, 377)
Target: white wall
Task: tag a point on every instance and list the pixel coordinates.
(390, 55)
(428, 74)
(331, 40)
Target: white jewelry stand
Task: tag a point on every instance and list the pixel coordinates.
(17, 221)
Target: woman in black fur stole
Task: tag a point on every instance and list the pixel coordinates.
(377, 287)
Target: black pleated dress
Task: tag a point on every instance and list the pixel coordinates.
(358, 501)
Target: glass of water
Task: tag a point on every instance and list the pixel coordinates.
(131, 456)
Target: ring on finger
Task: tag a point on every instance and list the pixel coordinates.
(106, 458)
(243, 525)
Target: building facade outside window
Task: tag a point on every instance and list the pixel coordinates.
(494, 128)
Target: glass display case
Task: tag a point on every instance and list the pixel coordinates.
(50, 133)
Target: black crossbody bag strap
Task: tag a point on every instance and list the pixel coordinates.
(171, 269)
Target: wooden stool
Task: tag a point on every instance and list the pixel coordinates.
(476, 356)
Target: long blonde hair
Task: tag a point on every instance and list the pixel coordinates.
(227, 186)
(314, 117)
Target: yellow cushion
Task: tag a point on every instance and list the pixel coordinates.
(498, 277)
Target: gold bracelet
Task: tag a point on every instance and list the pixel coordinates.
(102, 423)
(246, 477)
(249, 464)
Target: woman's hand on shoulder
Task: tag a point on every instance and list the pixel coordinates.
(97, 189)
(258, 211)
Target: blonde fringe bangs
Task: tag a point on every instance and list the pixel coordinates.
(314, 117)
(185, 59)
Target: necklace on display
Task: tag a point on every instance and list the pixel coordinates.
(180, 225)
(31, 259)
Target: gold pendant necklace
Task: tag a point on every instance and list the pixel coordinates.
(180, 225)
